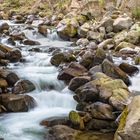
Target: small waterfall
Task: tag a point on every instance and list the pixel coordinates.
(52, 96)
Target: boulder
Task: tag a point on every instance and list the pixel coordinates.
(97, 124)
(96, 36)
(87, 93)
(114, 71)
(83, 30)
(59, 58)
(133, 37)
(67, 28)
(99, 57)
(72, 70)
(107, 44)
(5, 48)
(61, 132)
(95, 69)
(129, 128)
(122, 23)
(137, 60)
(82, 42)
(10, 77)
(120, 37)
(119, 98)
(101, 110)
(123, 45)
(42, 29)
(4, 26)
(30, 42)
(107, 22)
(50, 122)
(129, 69)
(78, 81)
(3, 83)
(87, 59)
(14, 55)
(23, 86)
(17, 103)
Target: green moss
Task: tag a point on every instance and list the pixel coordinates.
(121, 122)
(76, 119)
(136, 12)
(137, 60)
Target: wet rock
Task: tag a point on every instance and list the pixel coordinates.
(30, 42)
(42, 29)
(107, 44)
(129, 69)
(73, 70)
(3, 83)
(61, 132)
(50, 122)
(14, 55)
(2, 54)
(5, 48)
(122, 23)
(96, 124)
(128, 128)
(101, 110)
(87, 93)
(67, 28)
(19, 19)
(4, 26)
(10, 77)
(59, 58)
(114, 71)
(18, 36)
(123, 45)
(17, 103)
(23, 86)
(81, 105)
(77, 82)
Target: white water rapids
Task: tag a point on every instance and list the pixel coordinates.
(50, 103)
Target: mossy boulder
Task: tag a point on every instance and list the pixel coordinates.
(129, 128)
(137, 60)
(67, 28)
(76, 119)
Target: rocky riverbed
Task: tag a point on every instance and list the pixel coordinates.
(69, 77)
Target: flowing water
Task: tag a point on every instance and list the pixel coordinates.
(52, 96)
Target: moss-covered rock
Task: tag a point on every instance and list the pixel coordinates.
(76, 120)
(67, 28)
